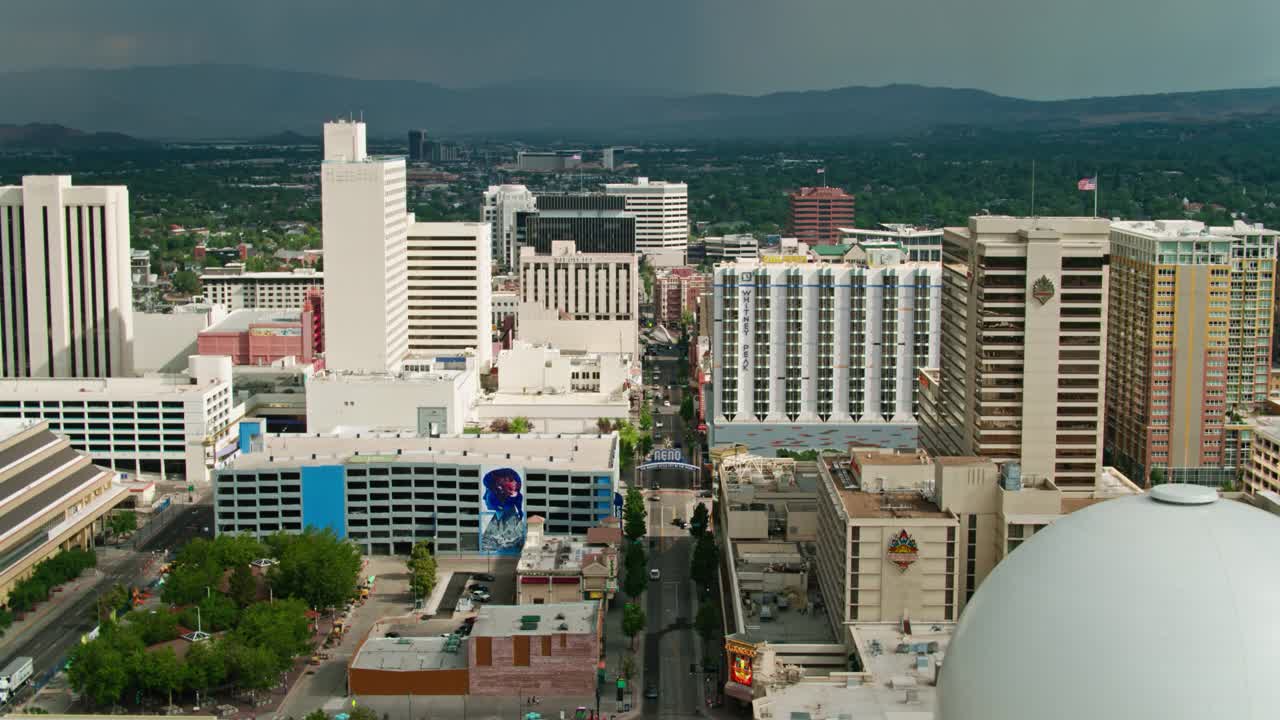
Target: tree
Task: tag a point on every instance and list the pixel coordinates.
(1156, 477)
(125, 521)
(281, 628)
(646, 417)
(705, 563)
(205, 667)
(186, 282)
(699, 522)
(315, 715)
(422, 570)
(633, 621)
(521, 425)
(634, 514)
(242, 586)
(686, 321)
(363, 713)
(316, 566)
(686, 408)
(501, 426)
(604, 426)
(217, 613)
(160, 672)
(254, 668)
(708, 621)
(155, 626)
(635, 566)
(101, 669)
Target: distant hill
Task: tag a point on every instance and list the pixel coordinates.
(58, 137)
(222, 101)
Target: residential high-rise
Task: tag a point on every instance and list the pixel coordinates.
(450, 290)
(1024, 344)
(662, 217)
(580, 301)
(818, 213)
(676, 291)
(66, 292)
(365, 227)
(419, 146)
(1188, 340)
(501, 203)
(821, 356)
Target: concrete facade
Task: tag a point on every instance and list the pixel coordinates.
(69, 305)
(499, 207)
(662, 217)
(365, 226)
(587, 302)
(260, 290)
(164, 341)
(1023, 362)
(450, 290)
(433, 401)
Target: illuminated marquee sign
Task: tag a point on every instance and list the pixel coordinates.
(741, 657)
(903, 550)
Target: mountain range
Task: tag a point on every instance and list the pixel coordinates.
(236, 101)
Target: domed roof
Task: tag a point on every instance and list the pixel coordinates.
(1153, 606)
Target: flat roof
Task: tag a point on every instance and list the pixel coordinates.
(138, 388)
(867, 457)
(907, 504)
(554, 553)
(568, 452)
(409, 654)
(579, 618)
(240, 320)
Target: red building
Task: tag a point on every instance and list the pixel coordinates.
(261, 337)
(676, 291)
(818, 213)
(314, 304)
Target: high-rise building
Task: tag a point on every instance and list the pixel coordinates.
(240, 290)
(593, 222)
(818, 213)
(588, 302)
(501, 203)
(1024, 345)
(613, 158)
(419, 146)
(450, 290)
(365, 228)
(821, 356)
(676, 291)
(556, 161)
(1188, 341)
(66, 299)
(662, 217)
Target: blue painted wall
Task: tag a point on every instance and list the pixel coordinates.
(324, 498)
(249, 429)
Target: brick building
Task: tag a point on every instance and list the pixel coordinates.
(818, 213)
(550, 650)
(261, 337)
(676, 291)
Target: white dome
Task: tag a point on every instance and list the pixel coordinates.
(1138, 607)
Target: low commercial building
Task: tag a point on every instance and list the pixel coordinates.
(434, 398)
(409, 666)
(260, 290)
(162, 342)
(387, 491)
(261, 337)
(728, 248)
(564, 569)
(547, 650)
(51, 498)
(559, 391)
(176, 426)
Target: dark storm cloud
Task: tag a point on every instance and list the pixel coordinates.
(1029, 48)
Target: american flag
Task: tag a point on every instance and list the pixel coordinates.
(822, 171)
(1088, 183)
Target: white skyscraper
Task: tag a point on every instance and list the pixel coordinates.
(365, 228)
(662, 217)
(501, 203)
(450, 290)
(66, 293)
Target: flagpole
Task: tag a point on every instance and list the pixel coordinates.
(1033, 188)
(1095, 194)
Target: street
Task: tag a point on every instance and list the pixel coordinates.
(668, 427)
(670, 646)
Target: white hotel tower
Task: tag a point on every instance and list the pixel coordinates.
(66, 295)
(810, 355)
(365, 227)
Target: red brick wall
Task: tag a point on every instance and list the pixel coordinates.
(569, 669)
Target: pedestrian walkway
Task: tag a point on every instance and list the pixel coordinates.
(618, 649)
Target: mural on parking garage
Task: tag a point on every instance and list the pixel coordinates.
(502, 518)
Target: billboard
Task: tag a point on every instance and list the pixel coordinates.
(741, 662)
(502, 516)
(276, 332)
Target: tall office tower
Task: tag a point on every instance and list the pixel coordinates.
(613, 158)
(662, 217)
(588, 302)
(593, 222)
(1188, 340)
(821, 355)
(450, 290)
(419, 146)
(66, 292)
(501, 203)
(1024, 343)
(818, 213)
(365, 226)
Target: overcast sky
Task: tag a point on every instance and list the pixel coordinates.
(1027, 48)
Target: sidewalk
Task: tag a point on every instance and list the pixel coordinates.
(617, 647)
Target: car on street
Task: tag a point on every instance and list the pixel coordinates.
(655, 498)
(481, 596)
(483, 577)
(393, 634)
(651, 692)
(680, 523)
(479, 588)
(655, 574)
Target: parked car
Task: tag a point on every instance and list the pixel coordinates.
(654, 498)
(483, 577)
(680, 523)
(479, 588)
(651, 692)
(655, 574)
(481, 596)
(393, 634)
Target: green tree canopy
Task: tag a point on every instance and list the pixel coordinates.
(699, 522)
(634, 514)
(705, 563)
(633, 621)
(635, 571)
(708, 621)
(124, 521)
(422, 570)
(242, 586)
(280, 627)
(316, 566)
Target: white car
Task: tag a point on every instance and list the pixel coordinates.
(655, 574)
